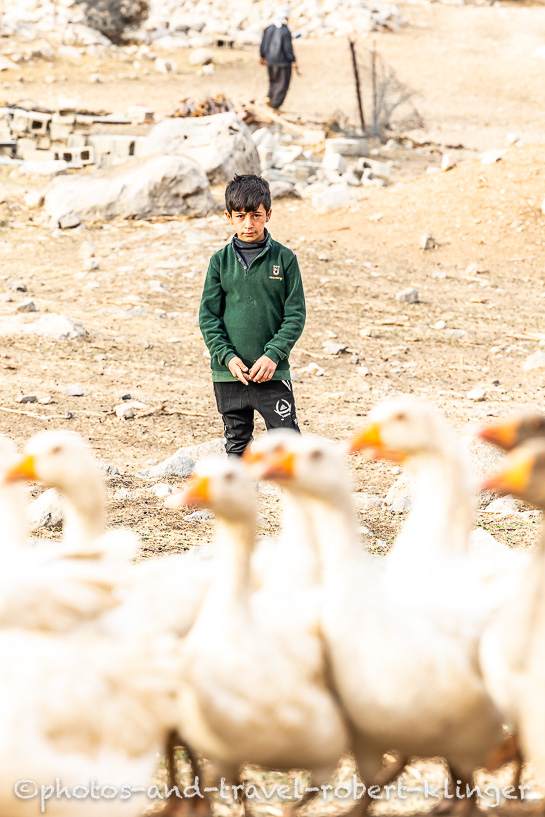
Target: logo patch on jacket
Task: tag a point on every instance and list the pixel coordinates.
(276, 273)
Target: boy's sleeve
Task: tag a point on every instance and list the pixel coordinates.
(288, 46)
(280, 346)
(211, 317)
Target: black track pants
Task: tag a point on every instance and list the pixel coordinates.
(237, 403)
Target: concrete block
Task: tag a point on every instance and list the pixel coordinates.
(140, 115)
(335, 162)
(35, 155)
(347, 147)
(76, 140)
(122, 146)
(140, 143)
(59, 131)
(64, 116)
(77, 157)
(8, 149)
(371, 168)
(43, 143)
(24, 145)
(19, 124)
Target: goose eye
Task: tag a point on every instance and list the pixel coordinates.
(400, 416)
(230, 476)
(316, 455)
(57, 449)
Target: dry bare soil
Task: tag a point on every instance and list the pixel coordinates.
(477, 82)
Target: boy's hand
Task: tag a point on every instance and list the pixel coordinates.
(262, 370)
(238, 369)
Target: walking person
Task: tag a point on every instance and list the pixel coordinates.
(277, 54)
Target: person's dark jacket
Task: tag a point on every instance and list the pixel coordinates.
(276, 47)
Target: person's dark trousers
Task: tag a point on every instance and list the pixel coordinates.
(279, 82)
(237, 403)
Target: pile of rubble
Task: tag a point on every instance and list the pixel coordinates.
(190, 24)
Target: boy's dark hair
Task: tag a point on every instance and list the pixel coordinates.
(244, 194)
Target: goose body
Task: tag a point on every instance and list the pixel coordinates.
(256, 688)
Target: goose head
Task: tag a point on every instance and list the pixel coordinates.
(303, 463)
(522, 474)
(223, 485)
(510, 432)
(401, 428)
(63, 460)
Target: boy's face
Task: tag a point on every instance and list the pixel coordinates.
(249, 226)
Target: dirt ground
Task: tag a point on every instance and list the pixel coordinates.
(476, 83)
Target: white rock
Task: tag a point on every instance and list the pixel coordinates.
(535, 361)
(457, 334)
(333, 348)
(180, 464)
(402, 488)
(221, 144)
(45, 167)
(74, 390)
(201, 56)
(284, 190)
(91, 264)
(7, 65)
(401, 504)
(447, 162)
(33, 199)
(408, 296)
(440, 325)
(478, 395)
(199, 516)
(52, 325)
(210, 448)
(366, 502)
(312, 368)
(161, 490)
(490, 157)
(69, 220)
(503, 506)
(427, 242)
(124, 411)
(332, 198)
(165, 66)
(139, 188)
(45, 511)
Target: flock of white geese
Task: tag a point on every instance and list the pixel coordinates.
(286, 652)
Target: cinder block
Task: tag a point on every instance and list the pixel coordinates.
(64, 116)
(33, 155)
(24, 145)
(140, 115)
(76, 140)
(8, 148)
(140, 145)
(43, 143)
(59, 131)
(34, 122)
(347, 147)
(77, 157)
(123, 146)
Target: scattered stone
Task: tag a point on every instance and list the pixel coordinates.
(45, 511)
(27, 306)
(109, 470)
(427, 242)
(7, 65)
(408, 296)
(180, 464)
(457, 334)
(124, 411)
(87, 250)
(503, 506)
(284, 190)
(17, 286)
(210, 448)
(199, 516)
(490, 157)
(221, 144)
(165, 66)
(366, 502)
(122, 493)
(161, 490)
(401, 504)
(126, 396)
(332, 198)
(69, 220)
(33, 199)
(312, 368)
(201, 56)
(140, 188)
(535, 361)
(478, 395)
(447, 162)
(43, 167)
(91, 264)
(28, 398)
(332, 348)
(46, 401)
(402, 489)
(440, 325)
(74, 391)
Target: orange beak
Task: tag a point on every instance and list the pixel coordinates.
(196, 492)
(368, 437)
(24, 469)
(502, 433)
(280, 465)
(514, 476)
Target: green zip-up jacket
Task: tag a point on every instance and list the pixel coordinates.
(250, 311)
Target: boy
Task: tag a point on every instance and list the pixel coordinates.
(252, 312)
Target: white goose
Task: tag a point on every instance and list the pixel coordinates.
(256, 688)
(511, 653)
(405, 670)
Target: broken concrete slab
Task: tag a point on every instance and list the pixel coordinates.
(58, 327)
(140, 188)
